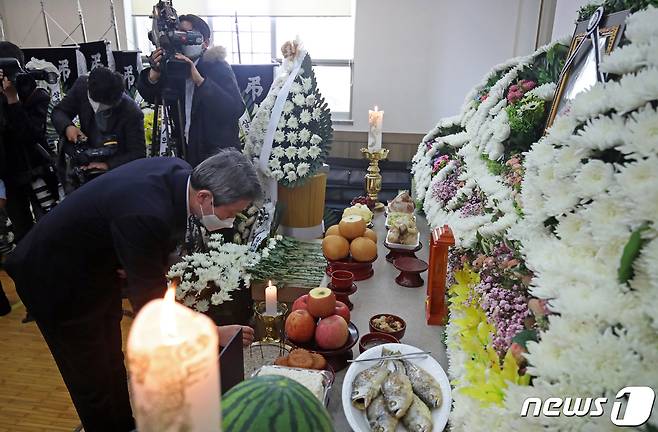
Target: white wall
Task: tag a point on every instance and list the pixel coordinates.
(566, 13)
(417, 59)
(20, 15)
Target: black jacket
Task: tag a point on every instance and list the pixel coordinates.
(126, 123)
(216, 107)
(131, 217)
(22, 128)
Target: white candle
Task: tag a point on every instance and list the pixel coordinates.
(173, 359)
(375, 122)
(271, 307)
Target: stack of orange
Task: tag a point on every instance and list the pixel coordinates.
(352, 238)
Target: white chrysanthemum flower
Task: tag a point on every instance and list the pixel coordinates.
(568, 159)
(291, 176)
(278, 174)
(295, 87)
(544, 91)
(282, 122)
(279, 136)
(302, 153)
(640, 176)
(304, 135)
(189, 301)
(292, 122)
(216, 299)
(288, 106)
(302, 169)
(274, 164)
(634, 90)
(593, 178)
(316, 139)
(317, 113)
(600, 133)
(299, 99)
(625, 59)
(278, 152)
(307, 84)
(540, 155)
(202, 306)
(314, 151)
(310, 100)
(305, 117)
(643, 132)
(292, 137)
(288, 167)
(591, 102)
(641, 26)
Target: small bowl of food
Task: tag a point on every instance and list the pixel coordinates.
(389, 324)
(370, 340)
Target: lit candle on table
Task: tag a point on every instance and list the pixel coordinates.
(375, 122)
(270, 300)
(174, 371)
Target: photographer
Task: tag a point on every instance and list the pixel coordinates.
(211, 103)
(107, 115)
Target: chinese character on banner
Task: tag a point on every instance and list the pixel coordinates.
(64, 69)
(96, 61)
(254, 87)
(129, 76)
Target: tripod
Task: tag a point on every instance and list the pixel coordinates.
(170, 132)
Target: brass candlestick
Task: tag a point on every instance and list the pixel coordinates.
(273, 324)
(373, 177)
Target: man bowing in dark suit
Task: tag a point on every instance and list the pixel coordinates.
(65, 269)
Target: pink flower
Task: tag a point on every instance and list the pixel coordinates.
(527, 85)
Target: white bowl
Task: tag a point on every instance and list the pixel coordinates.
(403, 246)
(357, 418)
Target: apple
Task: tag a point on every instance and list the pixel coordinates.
(300, 326)
(331, 332)
(342, 310)
(321, 302)
(301, 303)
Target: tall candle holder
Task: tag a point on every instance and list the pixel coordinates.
(273, 323)
(373, 177)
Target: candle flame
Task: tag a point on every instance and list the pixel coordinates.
(167, 316)
(269, 283)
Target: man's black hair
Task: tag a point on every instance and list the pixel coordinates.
(198, 24)
(8, 49)
(105, 86)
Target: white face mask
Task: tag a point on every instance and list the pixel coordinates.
(192, 52)
(214, 223)
(97, 106)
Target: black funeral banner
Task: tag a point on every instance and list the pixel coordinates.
(254, 81)
(97, 53)
(128, 64)
(69, 61)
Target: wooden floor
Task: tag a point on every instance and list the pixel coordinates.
(33, 397)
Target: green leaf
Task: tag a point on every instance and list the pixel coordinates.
(631, 251)
(524, 336)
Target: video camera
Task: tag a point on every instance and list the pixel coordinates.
(15, 73)
(81, 155)
(165, 34)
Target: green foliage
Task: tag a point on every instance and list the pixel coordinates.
(495, 167)
(524, 336)
(549, 65)
(526, 120)
(631, 252)
(612, 6)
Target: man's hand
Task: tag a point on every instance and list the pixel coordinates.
(97, 165)
(154, 59)
(194, 72)
(227, 332)
(8, 89)
(72, 133)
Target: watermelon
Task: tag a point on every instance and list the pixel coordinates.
(274, 404)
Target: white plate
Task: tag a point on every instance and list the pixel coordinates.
(357, 418)
(402, 246)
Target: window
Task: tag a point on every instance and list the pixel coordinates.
(257, 40)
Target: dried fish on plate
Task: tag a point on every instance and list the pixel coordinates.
(379, 419)
(397, 391)
(424, 384)
(418, 417)
(367, 385)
